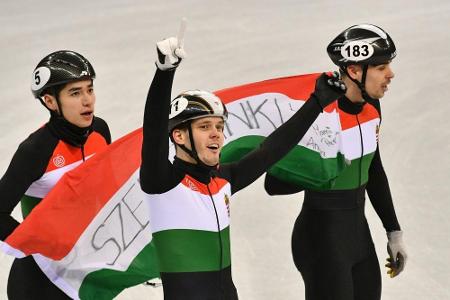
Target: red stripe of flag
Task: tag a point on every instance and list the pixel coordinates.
(55, 234)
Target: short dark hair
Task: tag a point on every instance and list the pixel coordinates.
(54, 90)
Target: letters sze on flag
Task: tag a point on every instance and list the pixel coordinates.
(91, 234)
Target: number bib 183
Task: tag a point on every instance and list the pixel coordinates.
(357, 51)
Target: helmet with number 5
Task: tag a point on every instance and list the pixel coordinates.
(363, 44)
(59, 68)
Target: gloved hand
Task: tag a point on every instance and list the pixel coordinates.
(170, 53)
(397, 253)
(328, 89)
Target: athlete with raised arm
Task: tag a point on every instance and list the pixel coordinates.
(189, 197)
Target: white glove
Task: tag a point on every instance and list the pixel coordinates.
(397, 253)
(170, 53)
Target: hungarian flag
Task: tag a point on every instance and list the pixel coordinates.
(91, 235)
(257, 109)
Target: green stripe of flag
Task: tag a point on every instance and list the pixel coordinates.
(301, 165)
(27, 203)
(106, 283)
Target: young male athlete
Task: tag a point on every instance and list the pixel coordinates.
(63, 83)
(331, 242)
(189, 198)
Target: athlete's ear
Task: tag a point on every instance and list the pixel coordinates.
(354, 71)
(180, 136)
(50, 102)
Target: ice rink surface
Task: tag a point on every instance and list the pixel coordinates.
(235, 42)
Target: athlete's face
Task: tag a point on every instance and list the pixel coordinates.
(377, 80)
(77, 100)
(208, 138)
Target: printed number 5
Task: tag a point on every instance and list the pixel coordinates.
(37, 78)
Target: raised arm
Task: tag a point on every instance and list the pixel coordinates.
(156, 170)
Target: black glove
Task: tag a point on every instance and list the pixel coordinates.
(328, 89)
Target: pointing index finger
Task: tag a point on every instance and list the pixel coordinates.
(181, 32)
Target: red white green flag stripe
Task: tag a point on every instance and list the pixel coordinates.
(256, 109)
(90, 235)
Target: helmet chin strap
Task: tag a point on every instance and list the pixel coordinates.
(58, 102)
(361, 84)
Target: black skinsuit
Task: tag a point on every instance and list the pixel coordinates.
(331, 242)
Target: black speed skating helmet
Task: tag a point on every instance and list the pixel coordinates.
(195, 104)
(363, 44)
(58, 68)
